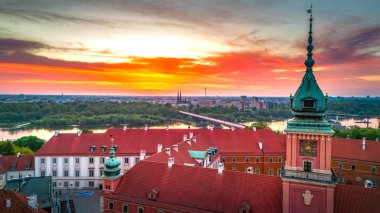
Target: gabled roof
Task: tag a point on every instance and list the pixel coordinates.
(132, 141)
(352, 149)
(19, 163)
(19, 203)
(199, 189)
(353, 199)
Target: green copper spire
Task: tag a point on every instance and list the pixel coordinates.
(309, 104)
(309, 62)
(112, 165)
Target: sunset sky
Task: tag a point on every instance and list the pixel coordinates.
(158, 47)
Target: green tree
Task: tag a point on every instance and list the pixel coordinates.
(32, 142)
(7, 148)
(87, 131)
(23, 150)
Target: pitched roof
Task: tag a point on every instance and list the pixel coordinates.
(353, 199)
(352, 149)
(18, 162)
(200, 189)
(19, 202)
(132, 141)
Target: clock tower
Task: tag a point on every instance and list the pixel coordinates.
(308, 181)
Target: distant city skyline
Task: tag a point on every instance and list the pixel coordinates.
(232, 48)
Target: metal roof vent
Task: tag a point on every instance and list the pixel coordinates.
(363, 143)
(56, 133)
(159, 147)
(368, 184)
(167, 150)
(146, 127)
(220, 168)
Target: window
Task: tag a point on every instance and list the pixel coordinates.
(137, 160)
(125, 208)
(102, 160)
(246, 159)
(66, 184)
(307, 166)
(270, 160)
(278, 172)
(340, 165)
(54, 173)
(54, 184)
(308, 103)
(353, 167)
(54, 160)
(91, 160)
(270, 172)
(77, 184)
(223, 159)
(160, 211)
(13, 168)
(77, 160)
(42, 160)
(126, 160)
(257, 159)
(91, 173)
(110, 205)
(11, 177)
(233, 160)
(66, 160)
(374, 182)
(101, 172)
(257, 171)
(141, 209)
(42, 173)
(280, 159)
(77, 174)
(91, 183)
(373, 169)
(340, 178)
(66, 173)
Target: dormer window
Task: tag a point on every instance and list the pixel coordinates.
(309, 103)
(13, 168)
(92, 148)
(104, 148)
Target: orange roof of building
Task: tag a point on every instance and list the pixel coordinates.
(181, 188)
(352, 149)
(19, 163)
(354, 199)
(19, 203)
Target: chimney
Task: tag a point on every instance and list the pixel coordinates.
(363, 143)
(125, 127)
(167, 127)
(377, 139)
(8, 203)
(260, 145)
(184, 137)
(212, 127)
(167, 150)
(32, 201)
(146, 127)
(250, 170)
(175, 147)
(142, 154)
(195, 139)
(191, 135)
(347, 136)
(233, 128)
(18, 154)
(220, 168)
(79, 132)
(159, 148)
(56, 133)
(254, 128)
(170, 162)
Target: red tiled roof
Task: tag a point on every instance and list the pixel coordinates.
(352, 149)
(19, 203)
(354, 199)
(19, 162)
(132, 141)
(200, 189)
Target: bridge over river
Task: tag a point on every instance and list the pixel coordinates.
(226, 123)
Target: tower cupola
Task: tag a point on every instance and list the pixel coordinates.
(112, 165)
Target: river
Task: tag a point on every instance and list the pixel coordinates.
(48, 133)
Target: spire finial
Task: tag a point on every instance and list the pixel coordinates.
(309, 61)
